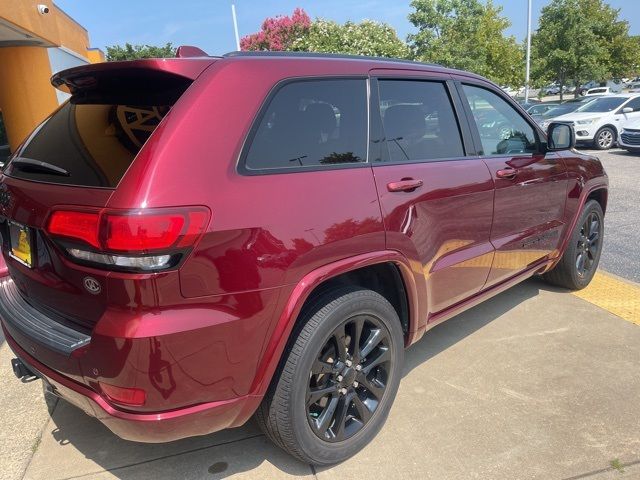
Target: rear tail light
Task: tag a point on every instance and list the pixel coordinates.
(79, 225)
(129, 240)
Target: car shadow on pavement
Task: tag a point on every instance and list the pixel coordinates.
(450, 332)
(622, 153)
(233, 451)
(219, 455)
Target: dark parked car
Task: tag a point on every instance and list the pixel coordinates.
(193, 241)
(540, 108)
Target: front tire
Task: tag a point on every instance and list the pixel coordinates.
(580, 260)
(338, 379)
(604, 139)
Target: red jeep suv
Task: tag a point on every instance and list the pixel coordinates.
(196, 240)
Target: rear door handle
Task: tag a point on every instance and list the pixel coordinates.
(507, 172)
(404, 185)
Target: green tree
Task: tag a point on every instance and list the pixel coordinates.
(582, 40)
(134, 52)
(365, 38)
(467, 34)
(299, 33)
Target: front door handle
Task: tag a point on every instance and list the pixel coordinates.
(404, 185)
(508, 172)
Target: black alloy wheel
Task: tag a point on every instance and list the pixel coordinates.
(348, 378)
(588, 246)
(579, 262)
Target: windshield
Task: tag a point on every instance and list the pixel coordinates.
(606, 104)
(560, 110)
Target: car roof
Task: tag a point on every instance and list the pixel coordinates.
(192, 61)
(621, 95)
(373, 62)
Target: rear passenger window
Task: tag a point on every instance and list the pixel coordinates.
(419, 122)
(503, 131)
(311, 123)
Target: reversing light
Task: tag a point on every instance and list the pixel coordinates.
(150, 262)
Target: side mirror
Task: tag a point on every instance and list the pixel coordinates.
(627, 110)
(560, 136)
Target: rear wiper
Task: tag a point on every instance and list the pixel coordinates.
(23, 163)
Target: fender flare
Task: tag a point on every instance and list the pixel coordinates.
(584, 194)
(277, 343)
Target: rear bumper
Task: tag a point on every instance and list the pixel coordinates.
(153, 427)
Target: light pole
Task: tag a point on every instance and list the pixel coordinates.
(235, 26)
(526, 80)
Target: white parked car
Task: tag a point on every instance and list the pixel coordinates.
(598, 122)
(634, 87)
(630, 136)
(597, 91)
(614, 86)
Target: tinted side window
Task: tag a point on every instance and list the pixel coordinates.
(419, 122)
(502, 129)
(312, 123)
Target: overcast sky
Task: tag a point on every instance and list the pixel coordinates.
(207, 23)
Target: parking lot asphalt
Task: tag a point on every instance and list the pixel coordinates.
(535, 383)
(621, 251)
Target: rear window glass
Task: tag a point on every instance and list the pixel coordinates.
(89, 145)
(312, 123)
(419, 121)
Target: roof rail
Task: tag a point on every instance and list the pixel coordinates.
(324, 55)
(188, 51)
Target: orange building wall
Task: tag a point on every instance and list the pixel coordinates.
(26, 96)
(95, 55)
(56, 26)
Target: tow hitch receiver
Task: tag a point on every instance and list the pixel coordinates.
(21, 371)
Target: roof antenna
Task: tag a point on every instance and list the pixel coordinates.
(187, 51)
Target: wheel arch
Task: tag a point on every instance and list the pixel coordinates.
(598, 192)
(612, 127)
(600, 195)
(364, 270)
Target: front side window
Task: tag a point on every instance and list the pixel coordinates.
(419, 121)
(502, 129)
(311, 123)
(634, 103)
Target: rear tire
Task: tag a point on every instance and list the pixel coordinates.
(318, 379)
(580, 260)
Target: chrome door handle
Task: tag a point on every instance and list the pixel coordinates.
(508, 173)
(404, 185)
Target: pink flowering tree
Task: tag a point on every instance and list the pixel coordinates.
(278, 33)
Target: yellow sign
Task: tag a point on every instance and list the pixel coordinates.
(22, 251)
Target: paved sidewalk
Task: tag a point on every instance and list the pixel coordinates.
(534, 383)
